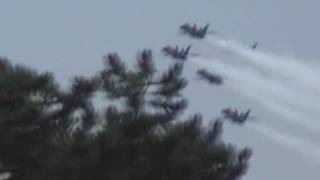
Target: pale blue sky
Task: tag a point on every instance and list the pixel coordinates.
(69, 38)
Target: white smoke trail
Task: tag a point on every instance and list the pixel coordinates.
(302, 146)
(284, 85)
(295, 84)
(303, 75)
(256, 88)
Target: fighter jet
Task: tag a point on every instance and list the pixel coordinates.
(235, 116)
(254, 46)
(194, 31)
(176, 53)
(210, 77)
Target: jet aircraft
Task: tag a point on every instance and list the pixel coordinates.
(194, 31)
(254, 46)
(210, 77)
(176, 53)
(235, 116)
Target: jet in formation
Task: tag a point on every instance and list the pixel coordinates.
(194, 31)
(210, 77)
(235, 116)
(176, 53)
(254, 46)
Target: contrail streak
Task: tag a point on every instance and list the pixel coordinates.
(286, 86)
(253, 87)
(300, 145)
(293, 70)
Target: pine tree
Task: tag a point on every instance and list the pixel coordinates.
(25, 100)
(143, 136)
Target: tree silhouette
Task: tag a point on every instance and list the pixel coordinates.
(141, 137)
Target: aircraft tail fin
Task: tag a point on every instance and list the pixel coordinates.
(254, 46)
(245, 116)
(204, 30)
(187, 50)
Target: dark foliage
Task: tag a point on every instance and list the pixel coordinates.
(141, 137)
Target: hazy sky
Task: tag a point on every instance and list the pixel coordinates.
(69, 38)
